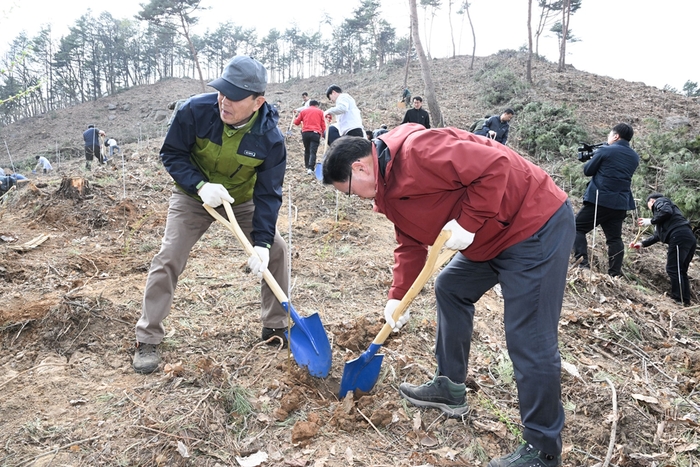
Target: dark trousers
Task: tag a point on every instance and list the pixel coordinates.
(333, 134)
(356, 132)
(91, 152)
(311, 140)
(681, 249)
(611, 221)
(532, 275)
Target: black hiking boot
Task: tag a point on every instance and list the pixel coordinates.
(526, 456)
(146, 358)
(440, 393)
(269, 333)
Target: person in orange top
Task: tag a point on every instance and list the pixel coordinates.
(313, 125)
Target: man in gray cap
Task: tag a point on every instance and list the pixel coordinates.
(223, 146)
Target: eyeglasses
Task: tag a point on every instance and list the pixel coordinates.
(350, 183)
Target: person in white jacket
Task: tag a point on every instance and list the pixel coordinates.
(43, 164)
(307, 101)
(346, 111)
(111, 143)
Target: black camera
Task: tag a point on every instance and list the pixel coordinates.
(586, 151)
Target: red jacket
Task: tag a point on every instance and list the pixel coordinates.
(445, 173)
(313, 120)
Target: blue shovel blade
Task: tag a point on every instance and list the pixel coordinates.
(361, 373)
(319, 171)
(309, 343)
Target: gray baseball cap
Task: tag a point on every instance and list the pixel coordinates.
(242, 77)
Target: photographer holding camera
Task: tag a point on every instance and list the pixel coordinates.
(608, 196)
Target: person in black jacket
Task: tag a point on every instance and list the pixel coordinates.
(497, 127)
(417, 114)
(672, 228)
(608, 196)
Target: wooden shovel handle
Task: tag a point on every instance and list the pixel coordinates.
(417, 286)
(233, 226)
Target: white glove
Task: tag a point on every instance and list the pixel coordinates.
(259, 260)
(644, 222)
(389, 311)
(460, 239)
(492, 134)
(213, 194)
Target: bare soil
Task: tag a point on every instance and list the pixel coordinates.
(69, 305)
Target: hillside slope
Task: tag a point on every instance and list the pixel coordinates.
(141, 113)
(69, 395)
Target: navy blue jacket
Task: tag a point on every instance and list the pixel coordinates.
(501, 128)
(91, 137)
(612, 168)
(261, 158)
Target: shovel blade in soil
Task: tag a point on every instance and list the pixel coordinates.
(309, 343)
(361, 373)
(319, 171)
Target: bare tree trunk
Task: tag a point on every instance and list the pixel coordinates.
(471, 25)
(193, 51)
(452, 32)
(565, 14)
(408, 55)
(529, 41)
(435, 114)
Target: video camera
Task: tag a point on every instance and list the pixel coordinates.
(585, 151)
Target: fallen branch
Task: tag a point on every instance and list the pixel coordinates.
(260, 344)
(372, 425)
(588, 454)
(613, 429)
(31, 244)
(182, 419)
(54, 451)
(262, 370)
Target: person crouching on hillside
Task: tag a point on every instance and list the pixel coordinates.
(672, 228)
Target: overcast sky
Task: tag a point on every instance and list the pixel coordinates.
(643, 40)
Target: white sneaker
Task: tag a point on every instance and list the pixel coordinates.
(309, 172)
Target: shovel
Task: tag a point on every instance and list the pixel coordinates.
(307, 338)
(362, 373)
(289, 130)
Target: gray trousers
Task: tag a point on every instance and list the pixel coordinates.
(532, 275)
(186, 223)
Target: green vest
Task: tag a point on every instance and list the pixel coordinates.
(223, 165)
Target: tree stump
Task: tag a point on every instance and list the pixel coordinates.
(73, 188)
